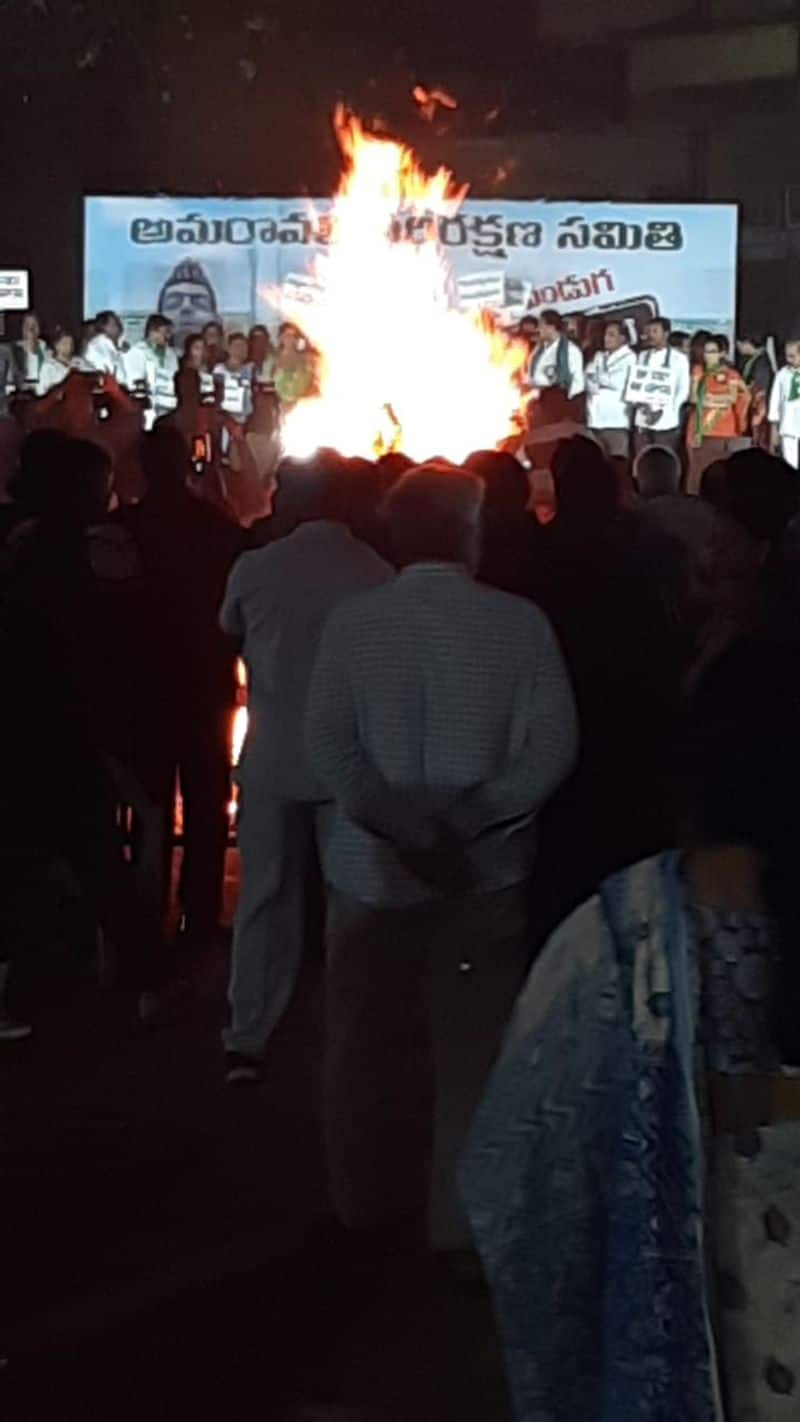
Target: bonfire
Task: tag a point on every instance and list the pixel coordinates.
(400, 366)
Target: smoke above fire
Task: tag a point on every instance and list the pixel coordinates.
(401, 367)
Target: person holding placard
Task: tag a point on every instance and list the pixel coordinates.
(151, 367)
(784, 407)
(658, 389)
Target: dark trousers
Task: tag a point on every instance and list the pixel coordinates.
(196, 752)
(706, 454)
(68, 813)
(416, 1003)
(615, 443)
(670, 439)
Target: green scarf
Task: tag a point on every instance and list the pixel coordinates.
(700, 434)
(41, 353)
(563, 374)
(794, 388)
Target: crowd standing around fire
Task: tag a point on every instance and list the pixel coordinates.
(525, 729)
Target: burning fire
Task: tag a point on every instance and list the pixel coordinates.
(239, 726)
(400, 366)
(238, 731)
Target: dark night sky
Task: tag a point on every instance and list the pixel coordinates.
(189, 93)
(234, 96)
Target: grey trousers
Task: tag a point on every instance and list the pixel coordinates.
(707, 454)
(417, 1001)
(615, 443)
(277, 856)
(646, 438)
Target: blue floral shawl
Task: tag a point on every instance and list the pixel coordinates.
(584, 1173)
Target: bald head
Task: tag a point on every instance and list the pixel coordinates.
(433, 515)
(657, 472)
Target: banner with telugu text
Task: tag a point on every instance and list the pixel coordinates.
(194, 258)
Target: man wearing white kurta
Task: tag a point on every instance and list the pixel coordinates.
(660, 420)
(151, 366)
(277, 601)
(102, 351)
(608, 415)
(784, 407)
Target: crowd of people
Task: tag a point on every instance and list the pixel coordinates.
(225, 392)
(484, 701)
(629, 387)
(663, 386)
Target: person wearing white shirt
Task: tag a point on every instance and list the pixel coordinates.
(277, 601)
(30, 353)
(151, 366)
(555, 373)
(784, 407)
(235, 379)
(102, 351)
(661, 420)
(440, 721)
(608, 415)
(56, 367)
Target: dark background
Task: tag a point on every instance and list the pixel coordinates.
(234, 97)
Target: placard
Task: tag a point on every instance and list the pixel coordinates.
(14, 289)
(651, 387)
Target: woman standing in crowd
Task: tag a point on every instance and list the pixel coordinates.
(758, 374)
(294, 368)
(641, 1094)
(56, 366)
(194, 378)
(720, 401)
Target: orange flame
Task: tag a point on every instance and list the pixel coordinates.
(238, 732)
(400, 366)
(427, 101)
(239, 722)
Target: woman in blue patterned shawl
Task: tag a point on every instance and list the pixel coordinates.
(633, 1175)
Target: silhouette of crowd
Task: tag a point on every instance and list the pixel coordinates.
(476, 694)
